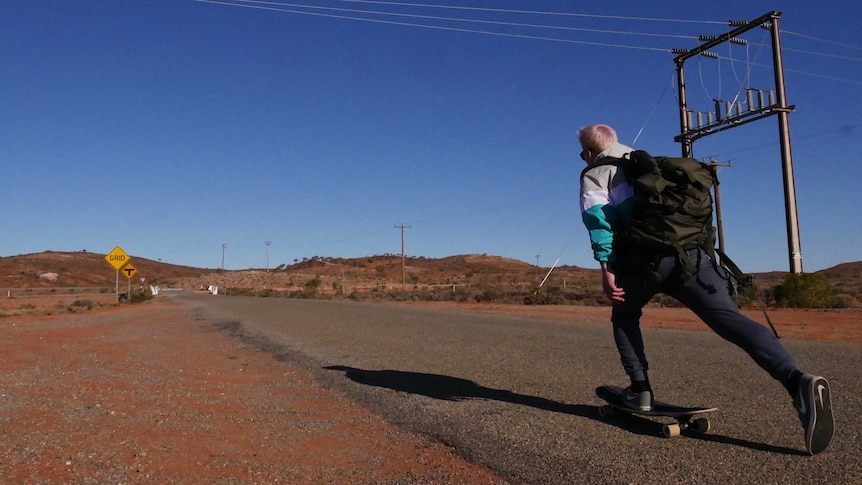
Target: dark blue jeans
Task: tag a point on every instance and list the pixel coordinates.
(708, 295)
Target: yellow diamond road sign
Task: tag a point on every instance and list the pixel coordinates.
(129, 271)
(117, 258)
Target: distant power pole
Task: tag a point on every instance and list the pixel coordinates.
(730, 114)
(223, 246)
(403, 264)
(267, 255)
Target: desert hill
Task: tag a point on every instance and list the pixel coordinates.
(52, 269)
(385, 273)
(483, 277)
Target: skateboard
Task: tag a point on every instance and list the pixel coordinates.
(687, 418)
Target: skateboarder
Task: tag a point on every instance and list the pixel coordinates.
(606, 207)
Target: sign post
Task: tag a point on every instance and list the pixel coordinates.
(129, 271)
(118, 258)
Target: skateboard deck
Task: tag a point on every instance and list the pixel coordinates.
(687, 418)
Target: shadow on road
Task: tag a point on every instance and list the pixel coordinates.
(455, 389)
(450, 388)
(640, 425)
(781, 450)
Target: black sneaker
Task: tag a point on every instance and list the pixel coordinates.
(813, 402)
(638, 400)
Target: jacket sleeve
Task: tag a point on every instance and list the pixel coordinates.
(597, 212)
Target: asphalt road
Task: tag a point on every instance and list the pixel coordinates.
(517, 394)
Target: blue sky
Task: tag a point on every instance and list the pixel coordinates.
(174, 127)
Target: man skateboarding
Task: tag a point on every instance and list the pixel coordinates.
(631, 276)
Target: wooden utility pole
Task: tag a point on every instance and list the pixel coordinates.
(403, 264)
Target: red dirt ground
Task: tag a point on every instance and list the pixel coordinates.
(147, 394)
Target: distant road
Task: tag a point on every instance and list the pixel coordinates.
(517, 394)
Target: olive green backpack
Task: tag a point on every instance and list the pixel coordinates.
(672, 213)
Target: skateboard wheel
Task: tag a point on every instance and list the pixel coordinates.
(700, 425)
(607, 411)
(670, 430)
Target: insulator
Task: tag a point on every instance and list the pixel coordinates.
(738, 41)
(711, 55)
(738, 23)
(678, 50)
(707, 37)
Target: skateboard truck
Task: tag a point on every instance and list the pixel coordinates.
(687, 418)
(683, 423)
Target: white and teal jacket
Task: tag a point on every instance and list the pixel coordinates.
(606, 202)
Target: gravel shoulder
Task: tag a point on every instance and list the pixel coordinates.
(150, 394)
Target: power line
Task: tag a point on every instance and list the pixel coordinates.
(279, 7)
(816, 53)
(824, 54)
(810, 37)
(466, 20)
(502, 10)
(812, 74)
(260, 5)
(751, 64)
(655, 107)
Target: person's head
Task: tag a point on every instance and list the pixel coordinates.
(594, 140)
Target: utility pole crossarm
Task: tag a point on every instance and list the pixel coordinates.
(726, 37)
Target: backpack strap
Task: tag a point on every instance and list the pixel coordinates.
(603, 161)
(744, 280)
(733, 269)
(688, 268)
